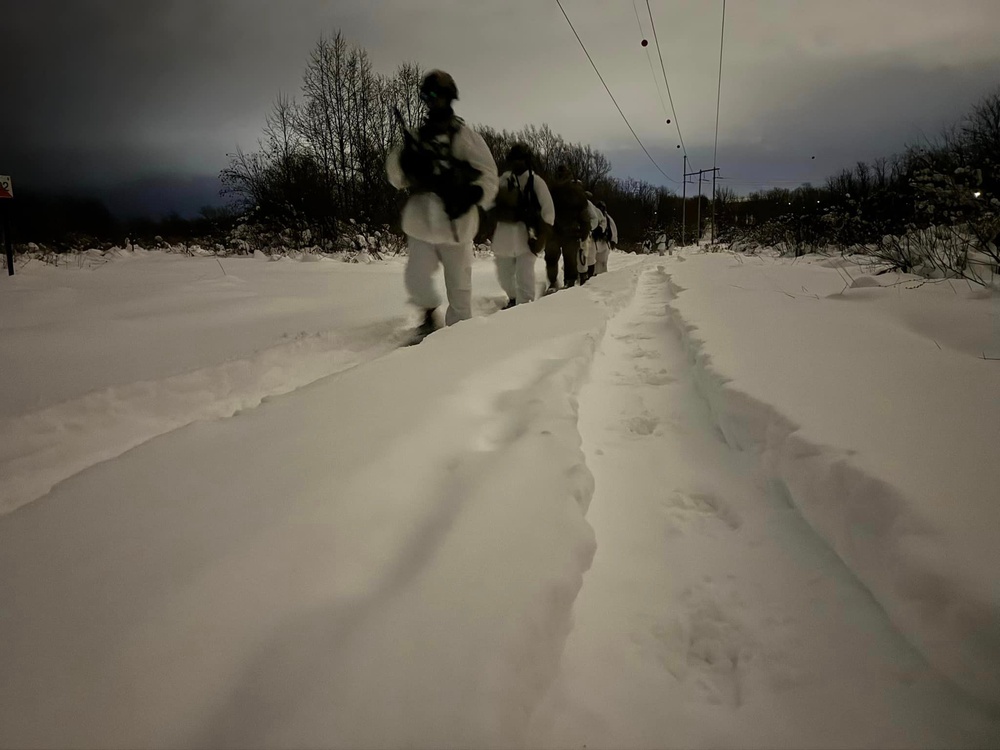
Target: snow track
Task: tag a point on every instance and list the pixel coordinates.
(713, 613)
(42, 448)
(882, 534)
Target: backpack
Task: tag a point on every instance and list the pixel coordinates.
(437, 169)
(572, 215)
(515, 204)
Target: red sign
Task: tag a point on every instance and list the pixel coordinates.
(6, 187)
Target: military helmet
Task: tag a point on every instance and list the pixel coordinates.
(438, 85)
(521, 151)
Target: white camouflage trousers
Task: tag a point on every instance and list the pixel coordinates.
(517, 276)
(419, 277)
(603, 251)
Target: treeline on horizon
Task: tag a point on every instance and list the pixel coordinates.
(65, 221)
(933, 209)
(316, 179)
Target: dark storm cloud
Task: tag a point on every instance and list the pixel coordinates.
(857, 112)
(104, 90)
(109, 92)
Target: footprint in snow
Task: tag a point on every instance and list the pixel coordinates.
(629, 337)
(704, 647)
(643, 425)
(661, 377)
(687, 508)
(640, 353)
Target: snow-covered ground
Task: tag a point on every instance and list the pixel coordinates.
(703, 501)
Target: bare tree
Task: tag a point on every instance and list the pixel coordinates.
(406, 93)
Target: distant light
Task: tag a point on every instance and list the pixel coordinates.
(976, 194)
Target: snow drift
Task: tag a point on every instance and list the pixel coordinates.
(881, 436)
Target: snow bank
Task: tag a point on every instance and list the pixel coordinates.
(884, 438)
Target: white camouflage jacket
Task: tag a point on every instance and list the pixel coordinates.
(424, 216)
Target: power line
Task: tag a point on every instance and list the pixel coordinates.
(718, 97)
(776, 181)
(666, 81)
(649, 59)
(582, 45)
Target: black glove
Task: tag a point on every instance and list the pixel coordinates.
(462, 200)
(597, 233)
(416, 164)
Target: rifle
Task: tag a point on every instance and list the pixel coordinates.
(407, 133)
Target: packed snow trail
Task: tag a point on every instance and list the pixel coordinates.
(713, 615)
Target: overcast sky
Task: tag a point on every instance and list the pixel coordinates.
(105, 93)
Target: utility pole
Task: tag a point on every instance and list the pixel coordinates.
(697, 237)
(684, 201)
(713, 202)
(700, 172)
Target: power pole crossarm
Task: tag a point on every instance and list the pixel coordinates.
(699, 172)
